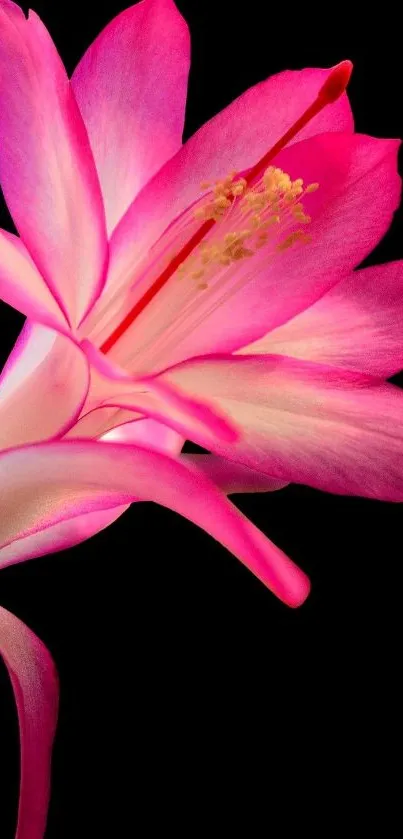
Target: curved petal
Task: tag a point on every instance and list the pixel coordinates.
(358, 324)
(330, 428)
(50, 482)
(22, 286)
(233, 477)
(60, 536)
(47, 171)
(12, 10)
(42, 387)
(146, 432)
(191, 418)
(36, 692)
(111, 387)
(131, 90)
(71, 532)
(352, 209)
(97, 422)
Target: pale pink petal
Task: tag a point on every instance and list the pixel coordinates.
(190, 418)
(234, 139)
(42, 387)
(233, 477)
(36, 692)
(358, 324)
(193, 418)
(112, 387)
(59, 537)
(146, 432)
(50, 482)
(12, 10)
(71, 532)
(97, 422)
(22, 286)
(47, 171)
(131, 90)
(352, 209)
(333, 429)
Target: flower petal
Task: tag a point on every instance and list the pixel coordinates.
(23, 288)
(12, 10)
(71, 532)
(111, 387)
(47, 171)
(147, 432)
(99, 421)
(131, 90)
(232, 477)
(358, 324)
(234, 139)
(59, 537)
(329, 428)
(35, 687)
(47, 483)
(42, 387)
(350, 212)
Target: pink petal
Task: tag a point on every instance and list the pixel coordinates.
(22, 286)
(35, 687)
(192, 418)
(12, 10)
(47, 171)
(329, 428)
(59, 537)
(234, 139)
(112, 387)
(131, 90)
(232, 477)
(50, 482)
(71, 532)
(350, 212)
(358, 324)
(97, 422)
(147, 432)
(42, 387)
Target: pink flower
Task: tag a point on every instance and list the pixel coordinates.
(161, 309)
(169, 300)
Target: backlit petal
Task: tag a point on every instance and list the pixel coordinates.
(51, 482)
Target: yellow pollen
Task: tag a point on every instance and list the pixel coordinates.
(265, 213)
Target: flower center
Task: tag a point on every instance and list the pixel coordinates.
(259, 215)
(264, 203)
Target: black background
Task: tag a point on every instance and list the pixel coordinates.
(183, 681)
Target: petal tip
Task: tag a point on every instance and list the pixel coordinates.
(300, 592)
